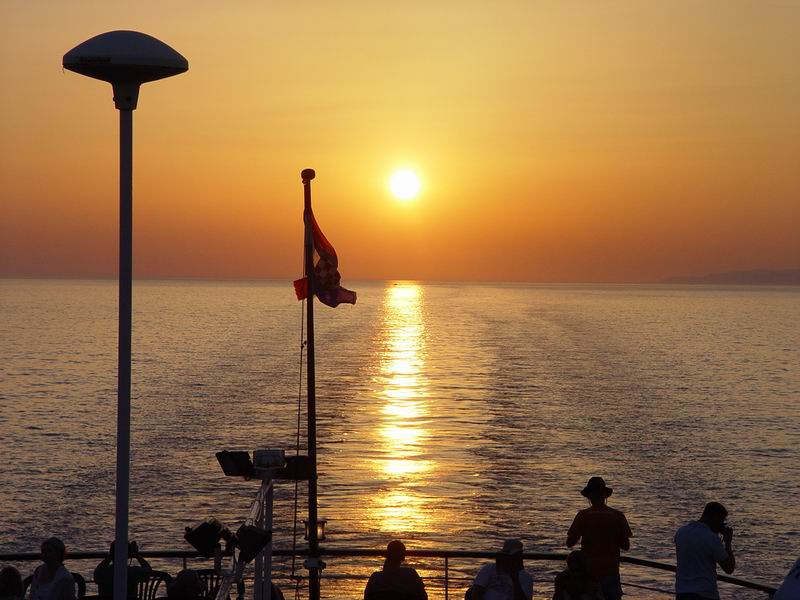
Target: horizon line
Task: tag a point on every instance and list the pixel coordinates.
(289, 280)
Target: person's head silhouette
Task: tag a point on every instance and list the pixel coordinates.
(395, 553)
(11, 583)
(186, 585)
(596, 491)
(53, 552)
(714, 515)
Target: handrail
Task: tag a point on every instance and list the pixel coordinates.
(752, 585)
(370, 552)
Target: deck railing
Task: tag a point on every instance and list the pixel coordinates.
(451, 583)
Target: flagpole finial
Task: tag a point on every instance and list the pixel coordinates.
(307, 175)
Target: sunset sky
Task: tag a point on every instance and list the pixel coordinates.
(554, 140)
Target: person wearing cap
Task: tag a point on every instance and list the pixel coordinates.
(506, 579)
(699, 550)
(602, 531)
(395, 582)
(51, 580)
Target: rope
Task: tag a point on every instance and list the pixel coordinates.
(297, 589)
(297, 447)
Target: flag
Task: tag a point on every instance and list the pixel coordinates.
(326, 272)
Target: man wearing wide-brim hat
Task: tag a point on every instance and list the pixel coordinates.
(603, 531)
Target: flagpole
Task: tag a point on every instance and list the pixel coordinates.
(313, 543)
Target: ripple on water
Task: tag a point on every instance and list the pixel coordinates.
(448, 415)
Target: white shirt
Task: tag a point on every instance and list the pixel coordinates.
(790, 588)
(500, 586)
(698, 551)
(54, 589)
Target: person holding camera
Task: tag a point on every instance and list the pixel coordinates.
(699, 550)
(104, 572)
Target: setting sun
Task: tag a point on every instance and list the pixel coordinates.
(404, 184)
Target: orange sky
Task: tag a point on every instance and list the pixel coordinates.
(555, 141)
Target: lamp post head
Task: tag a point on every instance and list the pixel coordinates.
(126, 59)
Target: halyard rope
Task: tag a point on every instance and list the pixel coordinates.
(294, 575)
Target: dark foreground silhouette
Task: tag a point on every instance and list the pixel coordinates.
(591, 574)
(394, 581)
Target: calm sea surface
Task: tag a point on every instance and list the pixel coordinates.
(449, 415)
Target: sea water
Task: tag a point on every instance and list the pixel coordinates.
(449, 415)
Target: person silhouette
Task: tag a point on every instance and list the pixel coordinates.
(699, 550)
(603, 531)
(186, 585)
(506, 578)
(11, 584)
(395, 582)
(104, 572)
(51, 580)
(790, 588)
(574, 583)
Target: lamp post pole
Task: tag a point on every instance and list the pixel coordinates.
(124, 352)
(125, 59)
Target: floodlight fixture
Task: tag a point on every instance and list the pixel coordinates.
(236, 463)
(205, 537)
(268, 460)
(251, 540)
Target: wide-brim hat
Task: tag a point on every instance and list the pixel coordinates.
(596, 485)
(512, 547)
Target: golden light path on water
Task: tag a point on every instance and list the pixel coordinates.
(403, 432)
(450, 417)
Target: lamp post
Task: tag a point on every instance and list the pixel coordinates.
(125, 59)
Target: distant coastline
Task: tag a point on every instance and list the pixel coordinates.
(754, 277)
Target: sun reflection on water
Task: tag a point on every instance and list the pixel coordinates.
(402, 432)
(400, 512)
